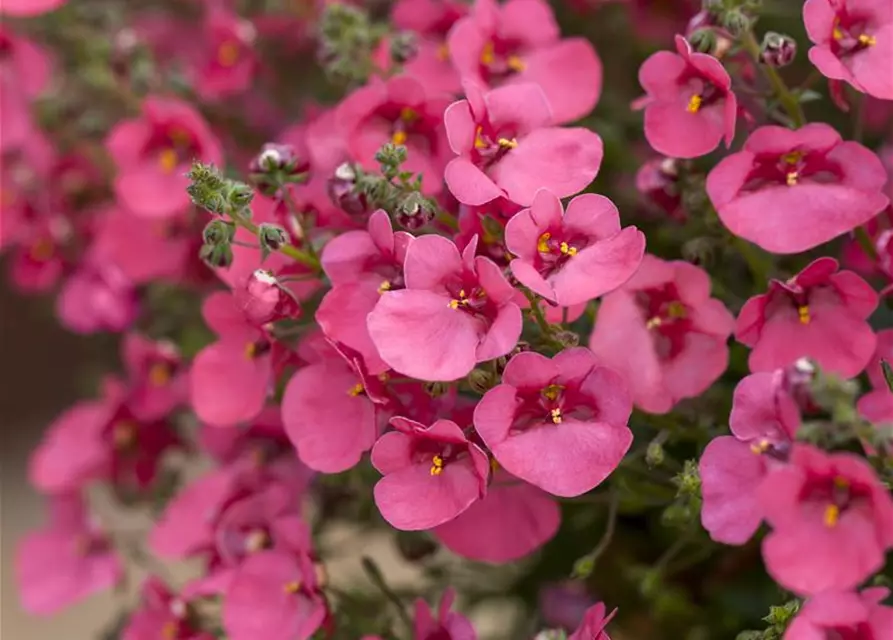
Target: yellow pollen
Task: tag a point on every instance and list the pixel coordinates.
(399, 137)
(653, 322)
(384, 286)
(837, 34)
(407, 114)
(436, 465)
(542, 244)
(556, 416)
(250, 350)
(179, 136)
(487, 54)
(832, 515)
(793, 157)
(292, 587)
(803, 314)
(228, 53)
(841, 483)
(453, 304)
(168, 160)
(41, 251)
(760, 447)
(792, 178)
(159, 374)
(478, 140)
(356, 390)
(171, 630)
(443, 52)
(515, 64)
(124, 434)
(567, 250)
(505, 143)
(462, 293)
(256, 540)
(867, 40)
(676, 310)
(694, 104)
(494, 465)
(551, 392)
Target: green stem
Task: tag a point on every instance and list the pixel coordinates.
(375, 576)
(293, 252)
(539, 316)
(866, 243)
(787, 99)
(584, 566)
(758, 266)
(293, 209)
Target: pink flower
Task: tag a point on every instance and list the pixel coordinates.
(162, 614)
(572, 257)
(559, 424)
(843, 614)
(397, 110)
(448, 625)
(455, 311)
(431, 474)
(361, 265)
(832, 521)
(328, 416)
(157, 376)
(273, 595)
(432, 21)
(664, 333)
(25, 70)
(228, 62)
(690, 106)
(593, 626)
(96, 298)
(877, 405)
(512, 521)
(264, 299)
(763, 421)
(789, 191)
(153, 154)
(26, 8)
(230, 379)
(508, 148)
(853, 42)
(820, 313)
(519, 42)
(66, 561)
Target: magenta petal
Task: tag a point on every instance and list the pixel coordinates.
(676, 132)
(227, 386)
(503, 334)
(149, 192)
(430, 260)
(524, 107)
(730, 473)
(494, 414)
(469, 184)
(342, 317)
(528, 276)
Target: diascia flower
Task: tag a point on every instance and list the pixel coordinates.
(431, 20)
(448, 625)
(853, 42)
(594, 623)
(227, 62)
(456, 310)
(519, 42)
(689, 106)
(24, 72)
(832, 521)
(574, 256)
(789, 191)
(27, 8)
(506, 147)
(820, 313)
(162, 614)
(664, 333)
(559, 424)
(153, 154)
(764, 420)
(431, 474)
(877, 405)
(843, 614)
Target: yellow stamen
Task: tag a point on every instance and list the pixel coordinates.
(803, 314)
(171, 630)
(399, 137)
(551, 392)
(694, 103)
(443, 52)
(159, 374)
(436, 465)
(832, 515)
(124, 434)
(793, 157)
(556, 416)
(867, 40)
(478, 140)
(515, 64)
(841, 483)
(453, 304)
(250, 350)
(760, 447)
(505, 143)
(356, 390)
(179, 136)
(542, 244)
(837, 33)
(676, 310)
(653, 322)
(487, 54)
(228, 53)
(168, 160)
(567, 250)
(792, 178)
(41, 251)
(383, 377)
(384, 286)
(494, 465)
(408, 114)
(292, 587)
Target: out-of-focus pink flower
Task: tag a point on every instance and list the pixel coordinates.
(162, 614)
(658, 181)
(157, 376)
(431, 474)
(559, 424)
(853, 41)
(877, 405)
(831, 518)
(28, 8)
(507, 148)
(228, 62)
(574, 256)
(153, 153)
(843, 614)
(456, 310)
(512, 521)
(39, 261)
(448, 625)
(820, 313)
(789, 191)
(689, 106)
(24, 72)
(664, 333)
(564, 604)
(763, 421)
(98, 297)
(519, 42)
(265, 299)
(66, 561)
(593, 627)
(431, 21)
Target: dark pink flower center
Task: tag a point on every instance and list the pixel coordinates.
(860, 631)
(171, 145)
(438, 454)
(699, 89)
(851, 34)
(667, 318)
(468, 296)
(793, 168)
(554, 404)
(555, 248)
(832, 497)
(492, 143)
(500, 59)
(6, 46)
(406, 125)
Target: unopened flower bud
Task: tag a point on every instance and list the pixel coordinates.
(655, 454)
(702, 40)
(218, 232)
(414, 212)
(481, 381)
(778, 49)
(276, 165)
(736, 21)
(436, 389)
(342, 192)
(239, 194)
(263, 299)
(404, 47)
(272, 237)
(216, 256)
(567, 339)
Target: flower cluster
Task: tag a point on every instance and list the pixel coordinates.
(421, 300)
